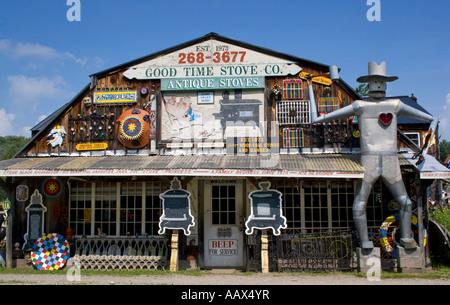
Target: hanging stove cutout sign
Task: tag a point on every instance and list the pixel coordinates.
(133, 128)
(266, 210)
(176, 209)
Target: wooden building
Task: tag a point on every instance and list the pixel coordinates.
(220, 116)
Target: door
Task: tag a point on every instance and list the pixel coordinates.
(224, 223)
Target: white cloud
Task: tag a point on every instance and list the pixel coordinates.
(36, 50)
(26, 91)
(444, 122)
(6, 123)
(447, 102)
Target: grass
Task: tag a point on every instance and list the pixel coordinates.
(438, 272)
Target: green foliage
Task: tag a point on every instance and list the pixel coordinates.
(443, 217)
(10, 145)
(363, 89)
(444, 150)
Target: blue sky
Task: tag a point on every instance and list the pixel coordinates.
(45, 60)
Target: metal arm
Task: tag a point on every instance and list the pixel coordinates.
(412, 112)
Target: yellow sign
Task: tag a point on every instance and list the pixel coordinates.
(115, 97)
(92, 146)
(318, 79)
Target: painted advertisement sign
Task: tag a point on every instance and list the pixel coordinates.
(212, 59)
(228, 113)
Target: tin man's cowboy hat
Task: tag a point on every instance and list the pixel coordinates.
(376, 71)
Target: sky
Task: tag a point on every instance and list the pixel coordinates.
(46, 59)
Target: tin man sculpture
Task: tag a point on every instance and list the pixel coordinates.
(377, 119)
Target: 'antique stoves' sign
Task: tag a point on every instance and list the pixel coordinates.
(266, 210)
(176, 209)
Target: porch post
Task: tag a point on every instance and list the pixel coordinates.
(264, 252)
(174, 252)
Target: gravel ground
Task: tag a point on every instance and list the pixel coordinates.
(210, 279)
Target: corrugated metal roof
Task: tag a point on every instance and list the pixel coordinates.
(332, 163)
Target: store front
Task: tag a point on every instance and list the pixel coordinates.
(219, 117)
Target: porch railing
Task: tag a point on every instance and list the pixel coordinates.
(115, 253)
(303, 250)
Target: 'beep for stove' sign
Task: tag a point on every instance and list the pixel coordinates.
(223, 247)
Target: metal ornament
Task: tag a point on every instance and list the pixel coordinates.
(377, 119)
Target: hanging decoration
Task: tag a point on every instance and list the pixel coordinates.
(276, 89)
(52, 188)
(133, 128)
(50, 252)
(56, 136)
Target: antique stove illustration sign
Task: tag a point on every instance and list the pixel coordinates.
(265, 210)
(176, 209)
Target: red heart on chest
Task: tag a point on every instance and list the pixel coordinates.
(386, 118)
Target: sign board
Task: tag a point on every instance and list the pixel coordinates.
(205, 97)
(210, 83)
(223, 247)
(115, 97)
(266, 212)
(252, 145)
(91, 146)
(318, 79)
(176, 209)
(212, 59)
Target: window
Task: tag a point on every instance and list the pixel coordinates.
(131, 208)
(80, 212)
(316, 204)
(322, 204)
(105, 208)
(342, 196)
(118, 209)
(223, 205)
(153, 207)
(291, 203)
(413, 136)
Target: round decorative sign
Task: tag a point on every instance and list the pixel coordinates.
(50, 252)
(52, 188)
(131, 128)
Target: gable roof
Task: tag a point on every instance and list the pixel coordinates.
(42, 126)
(38, 129)
(210, 36)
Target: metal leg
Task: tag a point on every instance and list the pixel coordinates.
(359, 213)
(398, 191)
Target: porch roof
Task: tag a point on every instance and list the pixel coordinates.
(282, 165)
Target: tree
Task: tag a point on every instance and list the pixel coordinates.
(363, 89)
(444, 150)
(9, 146)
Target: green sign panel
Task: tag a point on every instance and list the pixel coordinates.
(209, 83)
